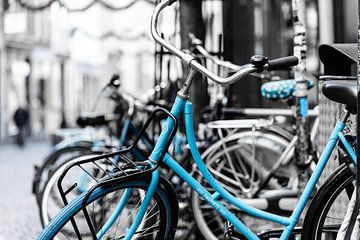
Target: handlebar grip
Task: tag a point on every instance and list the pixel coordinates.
(171, 2)
(282, 63)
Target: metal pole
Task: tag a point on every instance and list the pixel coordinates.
(3, 84)
(63, 123)
(358, 119)
(300, 48)
(326, 21)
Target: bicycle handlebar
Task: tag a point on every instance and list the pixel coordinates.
(282, 63)
(189, 59)
(191, 62)
(275, 64)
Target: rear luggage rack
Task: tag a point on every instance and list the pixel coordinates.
(108, 169)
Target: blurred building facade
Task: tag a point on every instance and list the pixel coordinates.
(54, 61)
(57, 61)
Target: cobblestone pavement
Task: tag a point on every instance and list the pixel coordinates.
(19, 217)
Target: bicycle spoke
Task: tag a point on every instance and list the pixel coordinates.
(229, 160)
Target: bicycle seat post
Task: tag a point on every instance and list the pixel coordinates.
(345, 117)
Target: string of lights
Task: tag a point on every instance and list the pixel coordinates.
(110, 34)
(40, 7)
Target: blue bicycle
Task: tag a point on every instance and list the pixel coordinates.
(133, 201)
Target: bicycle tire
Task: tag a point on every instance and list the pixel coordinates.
(324, 202)
(164, 196)
(47, 208)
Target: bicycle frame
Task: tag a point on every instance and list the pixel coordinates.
(182, 105)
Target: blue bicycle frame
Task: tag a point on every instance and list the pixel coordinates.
(127, 194)
(184, 106)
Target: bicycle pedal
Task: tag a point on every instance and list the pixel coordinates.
(228, 231)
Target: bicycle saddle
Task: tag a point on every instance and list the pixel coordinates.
(342, 92)
(94, 120)
(282, 89)
(339, 58)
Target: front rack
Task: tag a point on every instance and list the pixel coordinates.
(107, 169)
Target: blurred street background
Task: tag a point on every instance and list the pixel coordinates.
(19, 216)
(57, 55)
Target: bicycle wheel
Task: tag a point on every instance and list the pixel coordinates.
(328, 207)
(51, 163)
(159, 222)
(240, 166)
(50, 200)
(51, 203)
